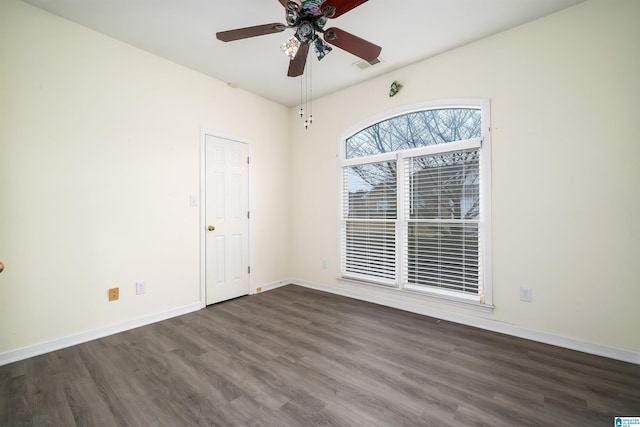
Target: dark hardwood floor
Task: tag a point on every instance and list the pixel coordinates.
(299, 357)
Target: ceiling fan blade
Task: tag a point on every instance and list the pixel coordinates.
(352, 44)
(244, 33)
(342, 6)
(296, 67)
(284, 3)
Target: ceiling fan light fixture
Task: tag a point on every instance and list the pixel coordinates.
(321, 48)
(291, 18)
(291, 46)
(330, 35)
(329, 11)
(312, 7)
(294, 5)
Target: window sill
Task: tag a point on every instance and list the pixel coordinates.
(466, 303)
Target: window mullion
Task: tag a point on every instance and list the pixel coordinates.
(400, 215)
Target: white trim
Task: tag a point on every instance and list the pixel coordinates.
(82, 337)
(271, 286)
(486, 324)
(486, 188)
(376, 158)
(449, 147)
(203, 218)
(436, 295)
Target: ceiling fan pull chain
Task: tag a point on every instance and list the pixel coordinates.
(310, 107)
(306, 102)
(301, 112)
(306, 92)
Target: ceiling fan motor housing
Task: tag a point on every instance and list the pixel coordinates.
(305, 31)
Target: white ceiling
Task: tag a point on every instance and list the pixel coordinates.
(183, 31)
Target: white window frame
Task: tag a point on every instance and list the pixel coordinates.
(483, 301)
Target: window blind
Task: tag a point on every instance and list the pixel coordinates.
(442, 211)
(370, 222)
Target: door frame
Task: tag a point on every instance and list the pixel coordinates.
(203, 205)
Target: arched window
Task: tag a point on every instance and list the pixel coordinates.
(415, 200)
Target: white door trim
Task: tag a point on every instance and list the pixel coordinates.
(203, 204)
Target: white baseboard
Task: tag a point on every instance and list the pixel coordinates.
(82, 337)
(271, 286)
(487, 324)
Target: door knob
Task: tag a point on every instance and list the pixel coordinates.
(1, 267)
(211, 228)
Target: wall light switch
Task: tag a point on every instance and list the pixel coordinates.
(193, 201)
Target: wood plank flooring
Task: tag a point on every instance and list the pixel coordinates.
(299, 357)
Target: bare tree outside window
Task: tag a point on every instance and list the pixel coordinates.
(413, 130)
(441, 194)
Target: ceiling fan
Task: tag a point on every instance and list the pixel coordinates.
(308, 18)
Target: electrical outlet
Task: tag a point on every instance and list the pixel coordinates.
(525, 294)
(114, 294)
(324, 264)
(141, 288)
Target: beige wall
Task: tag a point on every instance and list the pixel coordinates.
(563, 94)
(99, 153)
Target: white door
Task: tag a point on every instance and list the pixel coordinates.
(227, 222)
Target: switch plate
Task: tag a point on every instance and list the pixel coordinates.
(525, 294)
(193, 201)
(141, 288)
